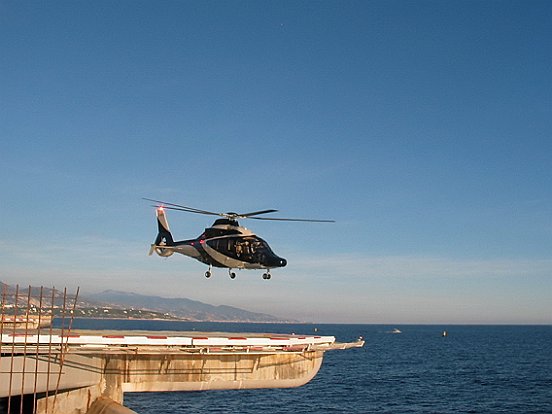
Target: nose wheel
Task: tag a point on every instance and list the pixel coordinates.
(208, 273)
(267, 275)
(232, 274)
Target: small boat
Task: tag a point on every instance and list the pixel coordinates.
(395, 331)
(444, 334)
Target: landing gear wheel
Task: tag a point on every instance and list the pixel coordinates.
(266, 276)
(232, 274)
(207, 274)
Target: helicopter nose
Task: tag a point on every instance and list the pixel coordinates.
(276, 261)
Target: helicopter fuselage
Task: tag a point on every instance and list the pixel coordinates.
(225, 244)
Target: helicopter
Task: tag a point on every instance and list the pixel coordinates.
(225, 244)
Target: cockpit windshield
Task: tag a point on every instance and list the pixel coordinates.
(249, 249)
(248, 246)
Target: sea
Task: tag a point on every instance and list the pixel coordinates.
(474, 369)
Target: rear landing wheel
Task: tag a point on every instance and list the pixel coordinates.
(207, 274)
(232, 274)
(266, 276)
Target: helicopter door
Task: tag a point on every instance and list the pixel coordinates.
(226, 246)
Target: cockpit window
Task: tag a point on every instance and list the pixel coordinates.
(250, 248)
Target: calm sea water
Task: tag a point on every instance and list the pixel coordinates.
(476, 369)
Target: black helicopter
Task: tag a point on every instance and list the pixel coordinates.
(225, 244)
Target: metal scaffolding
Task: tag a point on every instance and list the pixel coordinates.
(25, 312)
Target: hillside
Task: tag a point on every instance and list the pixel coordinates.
(116, 304)
(182, 308)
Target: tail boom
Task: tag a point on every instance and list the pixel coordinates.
(164, 239)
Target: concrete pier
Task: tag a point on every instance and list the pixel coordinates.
(68, 374)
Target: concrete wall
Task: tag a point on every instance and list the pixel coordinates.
(194, 373)
(38, 374)
(85, 378)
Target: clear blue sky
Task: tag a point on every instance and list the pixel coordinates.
(423, 128)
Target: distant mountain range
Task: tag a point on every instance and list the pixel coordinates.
(181, 308)
(116, 304)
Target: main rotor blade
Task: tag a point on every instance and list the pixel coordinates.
(182, 208)
(292, 219)
(208, 213)
(179, 207)
(256, 213)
